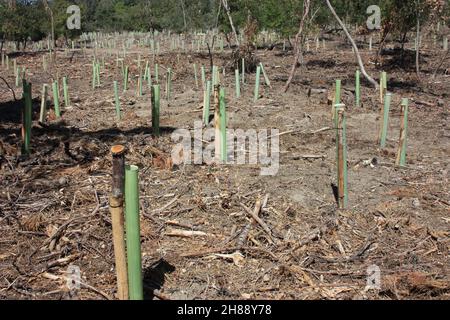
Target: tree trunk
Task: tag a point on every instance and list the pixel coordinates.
(384, 35)
(402, 60)
(52, 21)
(418, 45)
(184, 14)
(358, 56)
(298, 44)
(227, 9)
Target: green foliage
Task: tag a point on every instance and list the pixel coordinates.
(22, 22)
(29, 20)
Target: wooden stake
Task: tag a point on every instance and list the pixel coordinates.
(266, 78)
(383, 86)
(117, 219)
(341, 157)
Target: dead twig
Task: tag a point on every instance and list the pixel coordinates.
(255, 215)
(9, 87)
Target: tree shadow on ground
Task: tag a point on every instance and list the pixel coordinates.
(154, 277)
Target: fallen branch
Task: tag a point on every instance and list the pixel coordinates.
(166, 205)
(185, 233)
(308, 156)
(213, 251)
(301, 132)
(255, 216)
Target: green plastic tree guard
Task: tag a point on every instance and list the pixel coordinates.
(223, 126)
(43, 110)
(117, 101)
(56, 99)
(238, 83)
(27, 117)
(66, 92)
(385, 120)
(133, 234)
(358, 88)
(206, 102)
(155, 109)
(258, 75)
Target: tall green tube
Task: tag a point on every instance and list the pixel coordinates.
(133, 234)
(155, 109)
(125, 79)
(258, 75)
(157, 73)
(243, 71)
(195, 76)
(344, 133)
(43, 104)
(66, 92)
(384, 77)
(238, 83)
(146, 71)
(117, 101)
(140, 83)
(169, 84)
(94, 71)
(17, 75)
(337, 100)
(358, 88)
(27, 117)
(149, 78)
(337, 97)
(341, 133)
(384, 128)
(402, 160)
(206, 103)
(203, 77)
(215, 81)
(56, 99)
(223, 126)
(98, 74)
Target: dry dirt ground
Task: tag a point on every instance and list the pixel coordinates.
(54, 204)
